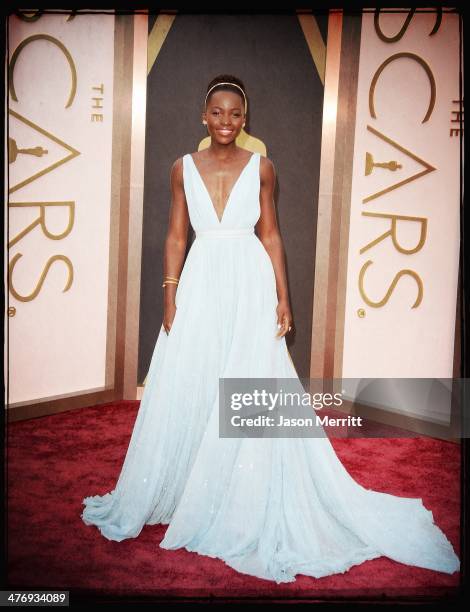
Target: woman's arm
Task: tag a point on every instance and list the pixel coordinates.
(268, 232)
(175, 242)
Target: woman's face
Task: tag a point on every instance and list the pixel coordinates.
(224, 115)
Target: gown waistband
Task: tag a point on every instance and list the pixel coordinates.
(216, 232)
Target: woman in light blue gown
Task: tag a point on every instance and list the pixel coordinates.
(269, 507)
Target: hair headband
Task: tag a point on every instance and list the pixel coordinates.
(217, 85)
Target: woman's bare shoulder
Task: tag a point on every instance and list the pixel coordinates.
(176, 170)
(267, 168)
(266, 161)
(178, 163)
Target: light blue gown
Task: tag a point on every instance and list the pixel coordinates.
(269, 507)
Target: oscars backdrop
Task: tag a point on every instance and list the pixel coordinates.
(59, 145)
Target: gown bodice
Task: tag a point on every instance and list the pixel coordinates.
(242, 209)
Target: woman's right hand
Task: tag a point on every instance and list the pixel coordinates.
(169, 312)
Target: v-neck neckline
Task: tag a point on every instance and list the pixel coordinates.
(231, 191)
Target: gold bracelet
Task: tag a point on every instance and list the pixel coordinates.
(170, 280)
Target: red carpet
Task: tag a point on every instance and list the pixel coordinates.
(55, 461)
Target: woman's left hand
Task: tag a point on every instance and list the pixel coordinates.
(284, 318)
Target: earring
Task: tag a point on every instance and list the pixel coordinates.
(204, 123)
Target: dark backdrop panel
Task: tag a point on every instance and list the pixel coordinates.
(285, 100)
